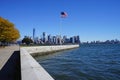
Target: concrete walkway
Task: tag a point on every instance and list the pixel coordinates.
(5, 54)
(10, 63)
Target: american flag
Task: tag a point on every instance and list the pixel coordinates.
(63, 14)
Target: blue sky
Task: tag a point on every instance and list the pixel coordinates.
(90, 19)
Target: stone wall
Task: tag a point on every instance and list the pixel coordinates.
(30, 68)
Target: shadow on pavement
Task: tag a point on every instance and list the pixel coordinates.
(12, 69)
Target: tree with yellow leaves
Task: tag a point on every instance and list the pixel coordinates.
(8, 32)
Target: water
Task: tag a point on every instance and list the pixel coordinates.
(89, 62)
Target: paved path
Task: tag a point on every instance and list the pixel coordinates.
(5, 54)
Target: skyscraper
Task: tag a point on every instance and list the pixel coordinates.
(78, 39)
(49, 38)
(33, 34)
(44, 37)
(64, 39)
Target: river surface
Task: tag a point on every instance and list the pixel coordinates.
(89, 62)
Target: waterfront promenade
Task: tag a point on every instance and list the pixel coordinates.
(17, 63)
(10, 63)
(5, 54)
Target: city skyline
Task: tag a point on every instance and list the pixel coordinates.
(90, 19)
(52, 39)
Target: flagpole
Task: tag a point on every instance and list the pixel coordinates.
(63, 15)
(60, 30)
